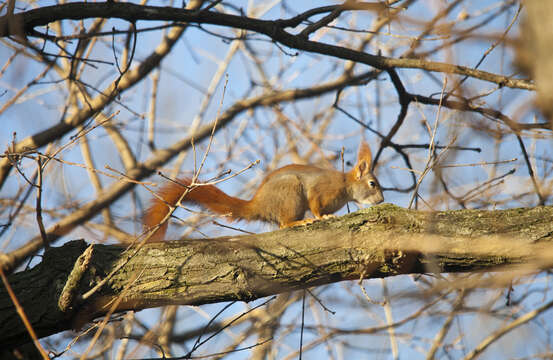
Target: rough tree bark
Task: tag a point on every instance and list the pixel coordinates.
(382, 241)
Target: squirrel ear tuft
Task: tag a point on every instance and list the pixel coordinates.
(364, 151)
(364, 159)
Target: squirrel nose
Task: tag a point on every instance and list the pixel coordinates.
(376, 199)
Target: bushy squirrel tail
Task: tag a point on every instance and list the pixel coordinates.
(206, 196)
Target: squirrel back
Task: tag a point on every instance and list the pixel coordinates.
(283, 197)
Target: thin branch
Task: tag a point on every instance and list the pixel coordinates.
(541, 198)
(507, 328)
(39, 186)
(274, 29)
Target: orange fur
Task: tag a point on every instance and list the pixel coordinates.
(207, 196)
(282, 198)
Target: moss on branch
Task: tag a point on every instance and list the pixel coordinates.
(381, 241)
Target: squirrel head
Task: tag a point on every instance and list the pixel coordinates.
(364, 187)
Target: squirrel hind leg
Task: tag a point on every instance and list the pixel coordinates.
(280, 200)
(308, 221)
(303, 222)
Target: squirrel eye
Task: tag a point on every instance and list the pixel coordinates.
(372, 184)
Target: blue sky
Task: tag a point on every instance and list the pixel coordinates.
(185, 77)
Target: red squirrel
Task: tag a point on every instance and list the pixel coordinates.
(282, 198)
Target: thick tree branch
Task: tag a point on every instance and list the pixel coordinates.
(381, 241)
(273, 29)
